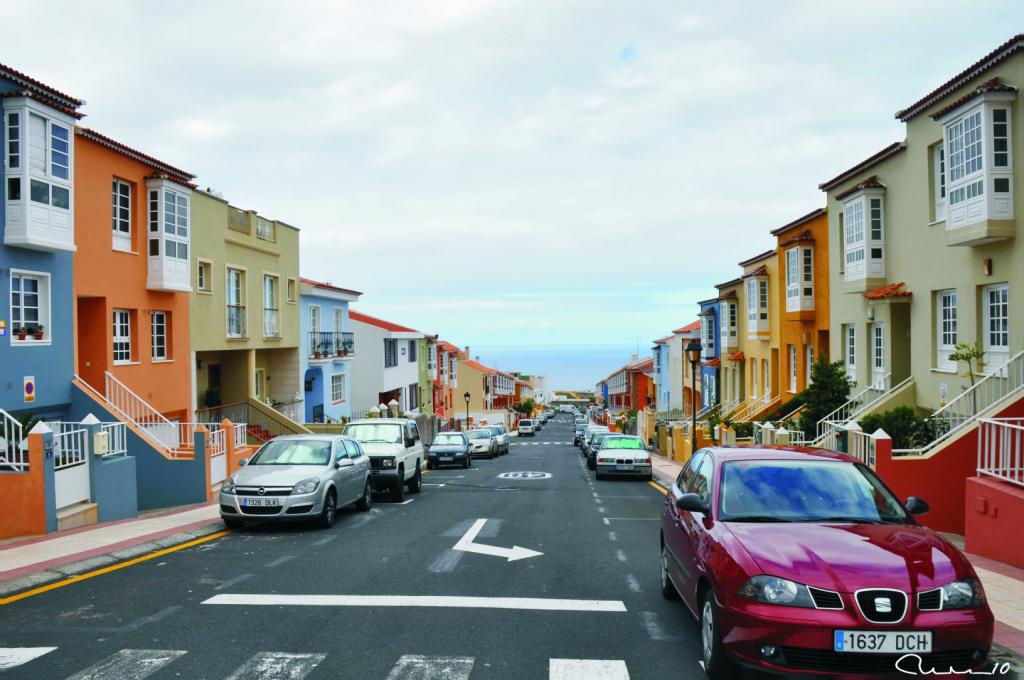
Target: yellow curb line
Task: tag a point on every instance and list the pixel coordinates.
(114, 567)
(657, 486)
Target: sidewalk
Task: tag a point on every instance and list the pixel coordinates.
(1004, 584)
(35, 561)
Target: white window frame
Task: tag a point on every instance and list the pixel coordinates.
(121, 214)
(237, 301)
(996, 329)
(264, 229)
(946, 330)
(271, 295)
(939, 172)
(43, 306)
(793, 369)
(855, 239)
(338, 388)
(121, 332)
(793, 279)
(810, 364)
(979, 161)
(158, 336)
(753, 378)
(850, 351)
(314, 318)
(175, 208)
(877, 352)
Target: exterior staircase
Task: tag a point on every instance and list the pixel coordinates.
(13, 456)
(263, 422)
(750, 410)
(858, 405)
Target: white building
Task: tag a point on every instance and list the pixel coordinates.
(386, 367)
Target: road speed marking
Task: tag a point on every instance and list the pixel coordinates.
(523, 474)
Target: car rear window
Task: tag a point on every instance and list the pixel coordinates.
(526, 422)
(478, 434)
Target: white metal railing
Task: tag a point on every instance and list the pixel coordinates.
(13, 453)
(755, 406)
(216, 444)
(709, 410)
(240, 436)
(845, 412)
(70, 447)
(162, 432)
(293, 410)
(1001, 449)
(271, 323)
(117, 439)
(1004, 381)
(859, 446)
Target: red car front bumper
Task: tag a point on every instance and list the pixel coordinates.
(803, 639)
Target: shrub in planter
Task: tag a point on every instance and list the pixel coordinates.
(20, 332)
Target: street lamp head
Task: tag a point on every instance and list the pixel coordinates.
(693, 350)
(467, 396)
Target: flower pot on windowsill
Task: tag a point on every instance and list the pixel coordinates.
(20, 335)
(38, 335)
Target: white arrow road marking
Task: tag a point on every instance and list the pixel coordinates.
(586, 669)
(466, 544)
(277, 666)
(129, 664)
(429, 484)
(457, 602)
(413, 667)
(11, 657)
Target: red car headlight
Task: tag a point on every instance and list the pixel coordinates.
(963, 594)
(775, 590)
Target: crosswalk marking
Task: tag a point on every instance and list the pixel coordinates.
(277, 666)
(587, 669)
(413, 667)
(129, 664)
(11, 657)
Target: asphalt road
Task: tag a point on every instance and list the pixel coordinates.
(588, 607)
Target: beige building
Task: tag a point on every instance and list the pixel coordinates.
(922, 239)
(759, 309)
(244, 308)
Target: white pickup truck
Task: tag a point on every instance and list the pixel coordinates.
(395, 451)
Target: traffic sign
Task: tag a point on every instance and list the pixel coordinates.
(30, 388)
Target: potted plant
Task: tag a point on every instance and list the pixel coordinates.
(37, 331)
(20, 332)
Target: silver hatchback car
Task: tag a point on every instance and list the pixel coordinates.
(298, 477)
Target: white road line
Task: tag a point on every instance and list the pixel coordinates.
(654, 629)
(632, 583)
(129, 664)
(412, 667)
(634, 519)
(600, 509)
(605, 520)
(11, 657)
(234, 581)
(277, 666)
(586, 669)
(527, 603)
(404, 502)
(612, 536)
(620, 556)
(279, 561)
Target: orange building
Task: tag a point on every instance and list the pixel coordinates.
(803, 292)
(131, 302)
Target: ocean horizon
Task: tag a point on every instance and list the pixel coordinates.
(566, 367)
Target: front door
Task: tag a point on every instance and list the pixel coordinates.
(261, 378)
(878, 355)
(997, 326)
(93, 331)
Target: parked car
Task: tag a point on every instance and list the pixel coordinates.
(580, 424)
(595, 445)
(526, 428)
(298, 477)
(621, 455)
(482, 443)
(499, 434)
(588, 437)
(449, 448)
(395, 451)
(801, 561)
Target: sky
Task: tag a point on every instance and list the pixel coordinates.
(517, 175)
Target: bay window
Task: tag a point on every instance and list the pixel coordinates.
(707, 336)
(727, 323)
(757, 307)
(946, 329)
(799, 279)
(864, 236)
(169, 226)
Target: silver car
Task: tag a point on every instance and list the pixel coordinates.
(499, 434)
(298, 477)
(482, 443)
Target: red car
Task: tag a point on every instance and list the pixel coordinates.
(803, 561)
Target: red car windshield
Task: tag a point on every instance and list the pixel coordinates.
(805, 491)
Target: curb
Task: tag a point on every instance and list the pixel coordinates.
(1000, 655)
(45, 577)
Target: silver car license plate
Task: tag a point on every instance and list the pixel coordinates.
(624, 468)
(261, 502)
(446, 459)
(883, 642)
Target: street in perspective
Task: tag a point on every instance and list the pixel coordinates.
(588, 340)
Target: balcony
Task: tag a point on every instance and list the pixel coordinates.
(326, 345)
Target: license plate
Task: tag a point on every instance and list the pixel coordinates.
(883, 642)
(624, 468)
(261, 502)
(446, 459)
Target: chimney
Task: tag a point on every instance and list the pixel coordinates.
(476, 358)
(467, 351)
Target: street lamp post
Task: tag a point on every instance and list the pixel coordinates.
(693, 350)
(467, 396)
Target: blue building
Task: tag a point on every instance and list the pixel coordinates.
(711, 359)
(326, 350)
(38, 241)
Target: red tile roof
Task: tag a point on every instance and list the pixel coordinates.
(48, 101)
(177, 174)
(989, 61)
(760, 271)
(380, 323)
(321, 284)
(688, 328)
(870, 162)
(480, 367)
(37, 87)
(662, 341)
(642, 365)
(757, 258)
(994, 85)
(733, 282)
(814, 214)
(888, 291)
(736, 356)
(870, 183)
(713, 363)
(447, 347)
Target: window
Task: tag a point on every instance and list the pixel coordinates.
(792, 368)
(236, 303)
(291, 290)
(876, 219)
(314, 318)
(154, 223)
(964, 140)
(752, 302)
(413, 399)
(850, 348)
(707, 330)
(158, 336)
(60, 150)
(13, 188)
(412, 351)
(763, 287)
(853, 213)
(390, 353)
(30, 308)
(793, 280)
(799, 279)
(997, 324)
(939, 170)
(13, 140)
(766, 373)
(979, 161)
(203, 276)
(122, 336)
(121, 214)
(946, 331)
(271, 313)
(49, 147)
(264, 229)
(1000, 138)
(878, 352)
(175, 224)
(753, 378)
(338, 388)
(339, 320)
(810, 363)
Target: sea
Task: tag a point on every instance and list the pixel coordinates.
(566, 367)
